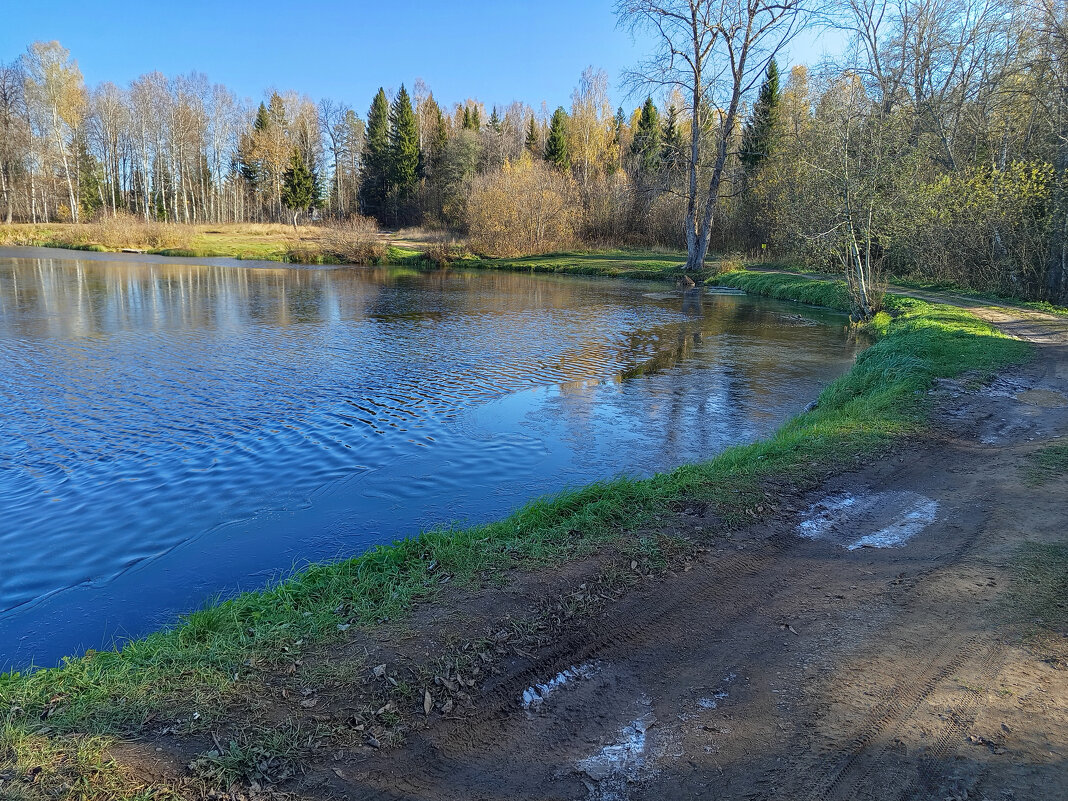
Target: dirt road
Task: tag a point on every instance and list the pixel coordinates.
(860, 642)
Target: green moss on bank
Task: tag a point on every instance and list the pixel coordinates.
(206, 660)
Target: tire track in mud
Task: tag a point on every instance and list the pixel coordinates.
(720, 580)
(963, 711)
(726, 591)
(873, 737)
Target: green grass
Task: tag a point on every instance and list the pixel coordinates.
(640, 264)
(1048, 464)
(1039, 593)
(215, 653)
(832, 294)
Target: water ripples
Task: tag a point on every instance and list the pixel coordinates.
(145, 407)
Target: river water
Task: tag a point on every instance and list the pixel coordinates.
(172, 432)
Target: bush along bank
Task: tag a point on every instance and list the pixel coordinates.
(224, 652)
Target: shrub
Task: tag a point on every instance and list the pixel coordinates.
(354, 241)
(525, 208)
(127, 231)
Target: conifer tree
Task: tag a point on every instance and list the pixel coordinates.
(403, 145)
(467, 118)
(556, 149)
(250, 167)
(758, 138)
(619, 125)
(439, 139)
(672, 152)
(374, 184)
(647, 146)
(476, 121)
(533, 142)
(299, 190)
(495, 121)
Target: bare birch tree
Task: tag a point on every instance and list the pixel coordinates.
(715, 52)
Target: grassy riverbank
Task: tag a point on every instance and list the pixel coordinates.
(191, 675)
(312, 245)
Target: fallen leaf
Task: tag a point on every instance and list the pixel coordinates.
(428, 702)
(380, 671)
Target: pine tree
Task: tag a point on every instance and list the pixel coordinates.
(647, 146)
(476, 120)
(495, 121)
(556, 150)
(533, 143)
(299, 189)
(758, 138)
(467, 118)
(374, 183)
(403, 146)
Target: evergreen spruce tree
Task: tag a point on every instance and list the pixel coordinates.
(467, 118)
(672, 152)
(556, 149)
(249, 166)
(647, 145)
(90, 178)
(403, 146)
(476, 121)
(619, 125)
(758, 137)
(299, 189)
(495, 121)
(374, 180)
(533, 142)
(439, 139)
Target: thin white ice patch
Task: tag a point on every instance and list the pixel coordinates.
(624, 759)
(713, 701)
(871, 520)
(901, 531)
(535, 696)
(719, 694)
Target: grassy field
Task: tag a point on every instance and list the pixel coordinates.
(53, 720)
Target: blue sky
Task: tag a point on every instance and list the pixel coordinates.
(344, 50)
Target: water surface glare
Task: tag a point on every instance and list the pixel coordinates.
(171, 432)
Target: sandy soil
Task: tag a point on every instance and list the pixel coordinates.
(855, 643)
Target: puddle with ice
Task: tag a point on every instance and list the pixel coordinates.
(872, 520)
(620, 762)
(719, 694)
(535, 695)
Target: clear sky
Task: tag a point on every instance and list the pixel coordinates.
(343, 49)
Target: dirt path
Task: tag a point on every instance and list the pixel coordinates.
(765, 664)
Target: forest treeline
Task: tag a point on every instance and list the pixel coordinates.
(935, 147)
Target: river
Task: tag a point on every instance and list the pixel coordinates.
(172, 432)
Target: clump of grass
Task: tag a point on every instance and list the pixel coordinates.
(1039, 594)
(204, 662)
(255, 756)
(1047, 464)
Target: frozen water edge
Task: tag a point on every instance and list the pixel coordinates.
(890, 519)
(624, 758)
(535, 696)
